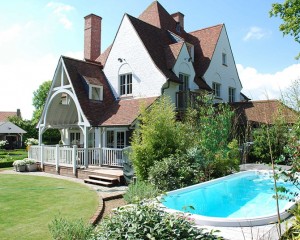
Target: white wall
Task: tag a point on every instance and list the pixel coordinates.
(147, 79)
(184, 66)
(227, 76)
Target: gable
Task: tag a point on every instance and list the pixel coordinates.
(10, 128)
(5, 115)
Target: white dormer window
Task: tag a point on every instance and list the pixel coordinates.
(224, 59)
(96, 92)
(125, 84)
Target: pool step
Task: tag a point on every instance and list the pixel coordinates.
(108, 181)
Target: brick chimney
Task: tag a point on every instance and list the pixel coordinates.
(179, 17)
(18, 112)
(92, 37)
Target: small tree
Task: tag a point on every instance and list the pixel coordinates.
(157, 136)
(211, 128)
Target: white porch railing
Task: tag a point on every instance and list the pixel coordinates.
(75, 157)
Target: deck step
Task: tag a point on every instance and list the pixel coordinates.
(98, 182)
(112, 179)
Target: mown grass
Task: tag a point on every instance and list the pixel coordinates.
(29, 203)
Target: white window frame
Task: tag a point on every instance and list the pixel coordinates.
(76, 134)
(224, 59)
(100, 88)
(231, 94)
(65, 99)
(216, 87)
(115, 143)
(185, 85)
(128, 84)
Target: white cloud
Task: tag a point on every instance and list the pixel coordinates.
(256, 33)
(259, 86)
(60, 10)
(10, 34)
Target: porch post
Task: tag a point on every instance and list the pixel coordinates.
(57, 157)
(86, 144)
(42, 155)
(40, 136)
(74, 159)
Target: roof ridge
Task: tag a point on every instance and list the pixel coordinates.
(83, 61)
(202, 29)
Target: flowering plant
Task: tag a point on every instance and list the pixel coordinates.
(29, 161)
(19, 163)
(31, 141)
(2, 143)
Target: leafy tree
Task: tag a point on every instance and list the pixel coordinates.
(276, 135)
(291, 96)
(26, 125)
(39, 99)
(289, 12)
(157, 136)
(212, 130)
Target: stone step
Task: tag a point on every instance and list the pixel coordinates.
(98, 182)
(112, 178)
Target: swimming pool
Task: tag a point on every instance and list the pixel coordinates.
(241, 199)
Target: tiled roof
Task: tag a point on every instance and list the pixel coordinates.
(263, 111)
(154, 26)
(125, 112)
(205, 41)
(4, 116)
(108, 112)
(155, 41)
(172, 51)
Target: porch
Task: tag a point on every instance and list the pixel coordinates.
(78, 158)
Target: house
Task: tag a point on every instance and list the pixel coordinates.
(95, 102)
(9, 131)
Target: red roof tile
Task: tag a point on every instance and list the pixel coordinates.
(4, 116)
(172, 51)
(263, 111)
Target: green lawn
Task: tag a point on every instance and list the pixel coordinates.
(7, 157)
(29, 203)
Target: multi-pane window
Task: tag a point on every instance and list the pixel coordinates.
(231, 94)
(224, 59)
(184, 86)
(115, 139)
(216, 89)
(96, 93)
(75, 138)
(126, 84)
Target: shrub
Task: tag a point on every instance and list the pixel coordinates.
(63, 229)
(277, 135)
(172, 173)
(157, 136)
(140, 190)
(146, 221)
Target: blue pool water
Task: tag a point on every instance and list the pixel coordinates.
(246, 195)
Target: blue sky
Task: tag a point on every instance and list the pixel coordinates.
(33, 34)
